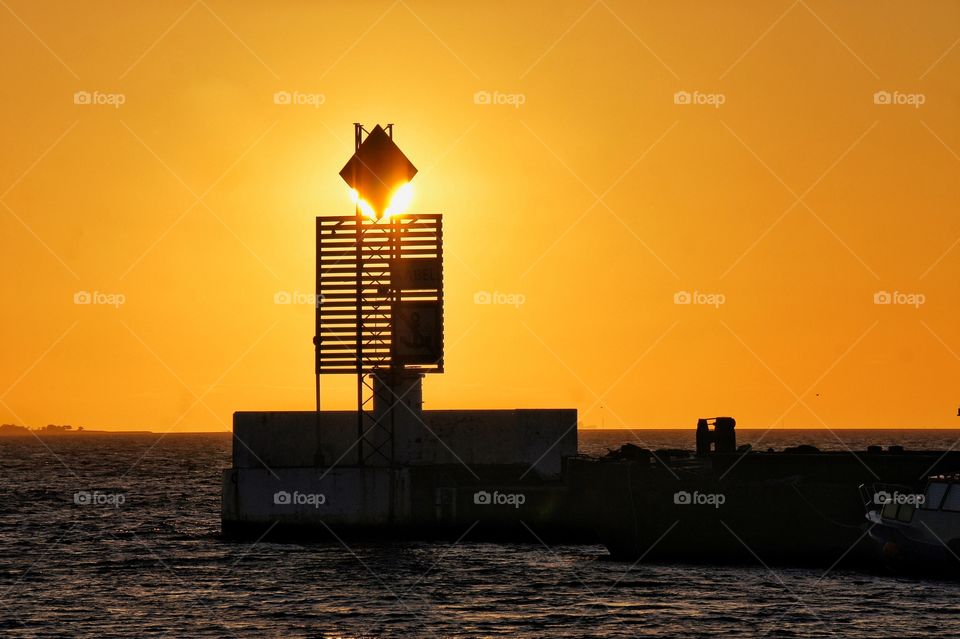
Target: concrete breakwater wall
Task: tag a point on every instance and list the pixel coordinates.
(533, 438)
(500, 471)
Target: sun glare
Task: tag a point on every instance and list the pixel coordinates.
(399, 202)
(362, 204)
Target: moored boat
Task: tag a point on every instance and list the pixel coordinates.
(917, 531)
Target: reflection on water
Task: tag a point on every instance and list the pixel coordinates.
(155, 566)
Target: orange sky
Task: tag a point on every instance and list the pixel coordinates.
(583, 190)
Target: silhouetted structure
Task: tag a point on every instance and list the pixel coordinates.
(390, 469)
(721, 439)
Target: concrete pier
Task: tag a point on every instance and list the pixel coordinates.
(299, 474)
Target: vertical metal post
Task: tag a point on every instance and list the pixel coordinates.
(395, 367)
(357, 140)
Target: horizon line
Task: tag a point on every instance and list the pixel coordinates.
(137, 431)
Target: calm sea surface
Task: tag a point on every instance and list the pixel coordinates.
(155, 565)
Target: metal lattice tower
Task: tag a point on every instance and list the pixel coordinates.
(379, 313)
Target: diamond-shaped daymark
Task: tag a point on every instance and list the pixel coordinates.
(377, 170)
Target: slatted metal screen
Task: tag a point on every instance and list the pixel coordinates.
(369, 276)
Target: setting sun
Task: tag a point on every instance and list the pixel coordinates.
(400, 203)
(362, 204)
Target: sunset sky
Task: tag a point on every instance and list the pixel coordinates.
(150, 162)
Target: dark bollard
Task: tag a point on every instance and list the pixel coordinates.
(704, 437)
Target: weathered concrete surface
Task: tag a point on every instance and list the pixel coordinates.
(531, 438)
(294, 439)
(424, 502)
(306, 496)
